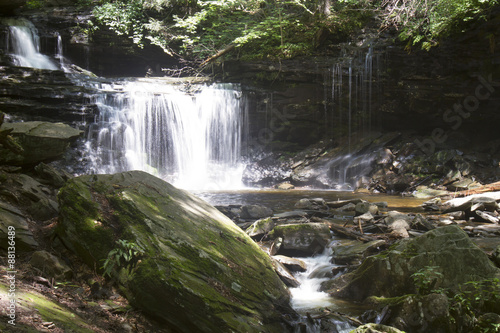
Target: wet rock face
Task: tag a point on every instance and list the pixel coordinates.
(197, 272)
(36, 94)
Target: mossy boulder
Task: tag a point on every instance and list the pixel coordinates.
(448, 250)
(198, 271)
(41, 141)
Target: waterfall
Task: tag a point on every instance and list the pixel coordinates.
(63, 62)
(192, 139)
(23, 44)
(354, 77)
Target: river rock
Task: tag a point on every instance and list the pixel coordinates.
(51, 265)
(421, 223)
(389, 273)
(302, 238)
(285, 274)
(293, 264)
(398, 224)
(495, 256)
(354, 252)
(308, 203)
(260, 227)
(475, 200)
(252, 212)
(365, 207)
(13, 217)
(375, 328)
(198, 271)
(41, 141)
(427, 313)
(342, 203)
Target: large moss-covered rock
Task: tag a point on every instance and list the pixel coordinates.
(199, 271)
(447, 249)
(41, 141)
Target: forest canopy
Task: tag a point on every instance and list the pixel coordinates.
(270, 29)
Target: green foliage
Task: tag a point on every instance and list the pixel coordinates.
(126, 253)
(124, 18)
(478, 296)
(35, 4)
(424, 22)
(257, 28)
(426, 279)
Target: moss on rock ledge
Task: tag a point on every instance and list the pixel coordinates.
(199, 271)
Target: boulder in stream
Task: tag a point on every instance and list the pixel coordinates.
(193, 267)
(389, 274)
(302, 238)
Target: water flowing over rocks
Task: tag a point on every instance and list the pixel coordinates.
(198, 271)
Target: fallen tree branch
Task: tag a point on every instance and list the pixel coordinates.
(350, 233)
(218, 54)
(482, 189)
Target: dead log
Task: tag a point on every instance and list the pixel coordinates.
(218, 54)
(350, 233)
(478, 190)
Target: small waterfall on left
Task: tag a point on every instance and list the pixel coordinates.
(23, 44)
(190, 138)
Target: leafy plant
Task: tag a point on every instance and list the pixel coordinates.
(126, 253)
(425, 22)
(476, 298)
(426, 279)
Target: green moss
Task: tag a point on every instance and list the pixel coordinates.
(49, 311)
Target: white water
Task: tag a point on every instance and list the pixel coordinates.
(308, 297)
(190, 139)
(23, 44)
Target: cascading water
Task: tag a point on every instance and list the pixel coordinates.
(23, 44)
(308, 297)
(354, 77)
(191, 139)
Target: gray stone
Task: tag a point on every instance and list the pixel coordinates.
(285, 274)
(341, 203)
(375, 328)
(421, 223)
(366, 207)
(260, 227)
(13, 218)
(41, 141)
(305, 238)
(255, 212)
(50, 265)
(355, 251)
(293, 264)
